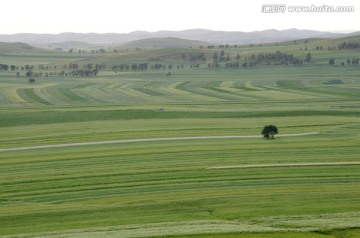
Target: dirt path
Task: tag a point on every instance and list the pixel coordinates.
(144, 140)
(284, 165)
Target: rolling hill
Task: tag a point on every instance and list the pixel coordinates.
(8, 47)
(168, 42)
(66, 45)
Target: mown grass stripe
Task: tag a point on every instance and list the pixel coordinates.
(284, 165)
(30, 93)
(48, 117)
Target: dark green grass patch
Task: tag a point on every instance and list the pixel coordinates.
(9, 118)
(71, 95)
(149, 92)
(333, 81)
(256, 235)
(346, 233)
(29, 92)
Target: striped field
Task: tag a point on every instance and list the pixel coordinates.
(196, 165)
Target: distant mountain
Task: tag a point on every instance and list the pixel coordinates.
(167, 42)
(266, 36)
(217, 37)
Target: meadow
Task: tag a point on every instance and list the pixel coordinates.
(175, 188)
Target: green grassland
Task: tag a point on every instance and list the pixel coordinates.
(170, 188)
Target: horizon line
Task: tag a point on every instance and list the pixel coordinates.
(189, 29)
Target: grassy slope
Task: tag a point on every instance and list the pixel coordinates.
(11, 48)
(163, 188)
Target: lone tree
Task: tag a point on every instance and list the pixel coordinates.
(31, 80)
(269, 131)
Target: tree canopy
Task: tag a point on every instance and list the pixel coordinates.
(269, 131)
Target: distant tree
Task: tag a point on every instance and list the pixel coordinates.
(331, 61)
(134, 66)
(75, 66)
(29, 73)
(168, 74)
(342, 63)
(95, 72)
(308, 57)
(215, 57)
(238, 57)
(4, 67)
(222, 53)
(31, 80)
(269, 131)
(143, 66)
(222, 56)
(17, 74)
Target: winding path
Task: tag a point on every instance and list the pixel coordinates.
(144, 140)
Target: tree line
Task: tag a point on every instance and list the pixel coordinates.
(349, 45)
(77, 73)
(277, 58)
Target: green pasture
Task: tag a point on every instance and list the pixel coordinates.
(167, 188)
(107, 188)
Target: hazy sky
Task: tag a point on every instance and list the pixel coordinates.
(119, 16)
